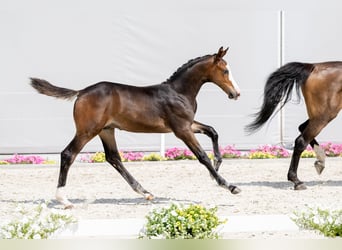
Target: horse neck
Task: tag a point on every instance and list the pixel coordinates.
(189, 83)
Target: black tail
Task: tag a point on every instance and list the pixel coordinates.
(46, 88)
(278, 88)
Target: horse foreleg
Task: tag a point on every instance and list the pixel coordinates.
(190, 140)
(198, 127)
(113, 158)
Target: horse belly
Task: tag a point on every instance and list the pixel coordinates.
(140, 124)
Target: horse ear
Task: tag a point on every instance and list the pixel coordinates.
(220, 54)
(226, 50)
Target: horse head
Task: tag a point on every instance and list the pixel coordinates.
(221, 74)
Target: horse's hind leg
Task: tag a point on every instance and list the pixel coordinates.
(198, 127)
(319, 151)
(113, 157)
(311, 130)
(68, 156)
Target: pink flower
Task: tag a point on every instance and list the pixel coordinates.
(133, 156)
(178, 154)
(230, 152)
(22, 159)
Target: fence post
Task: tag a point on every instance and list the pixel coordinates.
(281, 54)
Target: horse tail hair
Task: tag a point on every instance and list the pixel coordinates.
(278, 89)
(46, 88)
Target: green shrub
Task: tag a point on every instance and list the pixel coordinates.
(178, 222)
(37, 223)
(329, 223)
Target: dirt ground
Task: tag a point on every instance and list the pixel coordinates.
(99, 192)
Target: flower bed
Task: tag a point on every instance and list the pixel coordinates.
(268, 152)
(228, 152)
(26, 159)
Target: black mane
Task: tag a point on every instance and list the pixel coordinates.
(185, 66)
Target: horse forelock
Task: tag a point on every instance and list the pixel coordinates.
(186, 66)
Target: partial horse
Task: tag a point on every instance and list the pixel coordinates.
(321, 86)
(167, 107)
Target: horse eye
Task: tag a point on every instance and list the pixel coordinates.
(225, 71)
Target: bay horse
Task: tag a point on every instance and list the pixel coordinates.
(101, 108)
(321, 86)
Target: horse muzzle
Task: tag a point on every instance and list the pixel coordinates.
(234, 95)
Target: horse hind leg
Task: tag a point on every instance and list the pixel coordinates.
(300, 145)
(319, 151)
(311, 129)
(113, 157)
(68, 156)
(320, 162)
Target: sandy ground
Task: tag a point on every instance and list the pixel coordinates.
(99, 192)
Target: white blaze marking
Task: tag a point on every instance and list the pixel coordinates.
(231, 78)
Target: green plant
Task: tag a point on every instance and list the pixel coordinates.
(327, 222)
(37, 223)
(153, 157)
(178, 222)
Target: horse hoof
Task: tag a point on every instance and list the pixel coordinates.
(319, 166)
(235, 190)
(70, 206)
(300, 186)
(149, 197)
